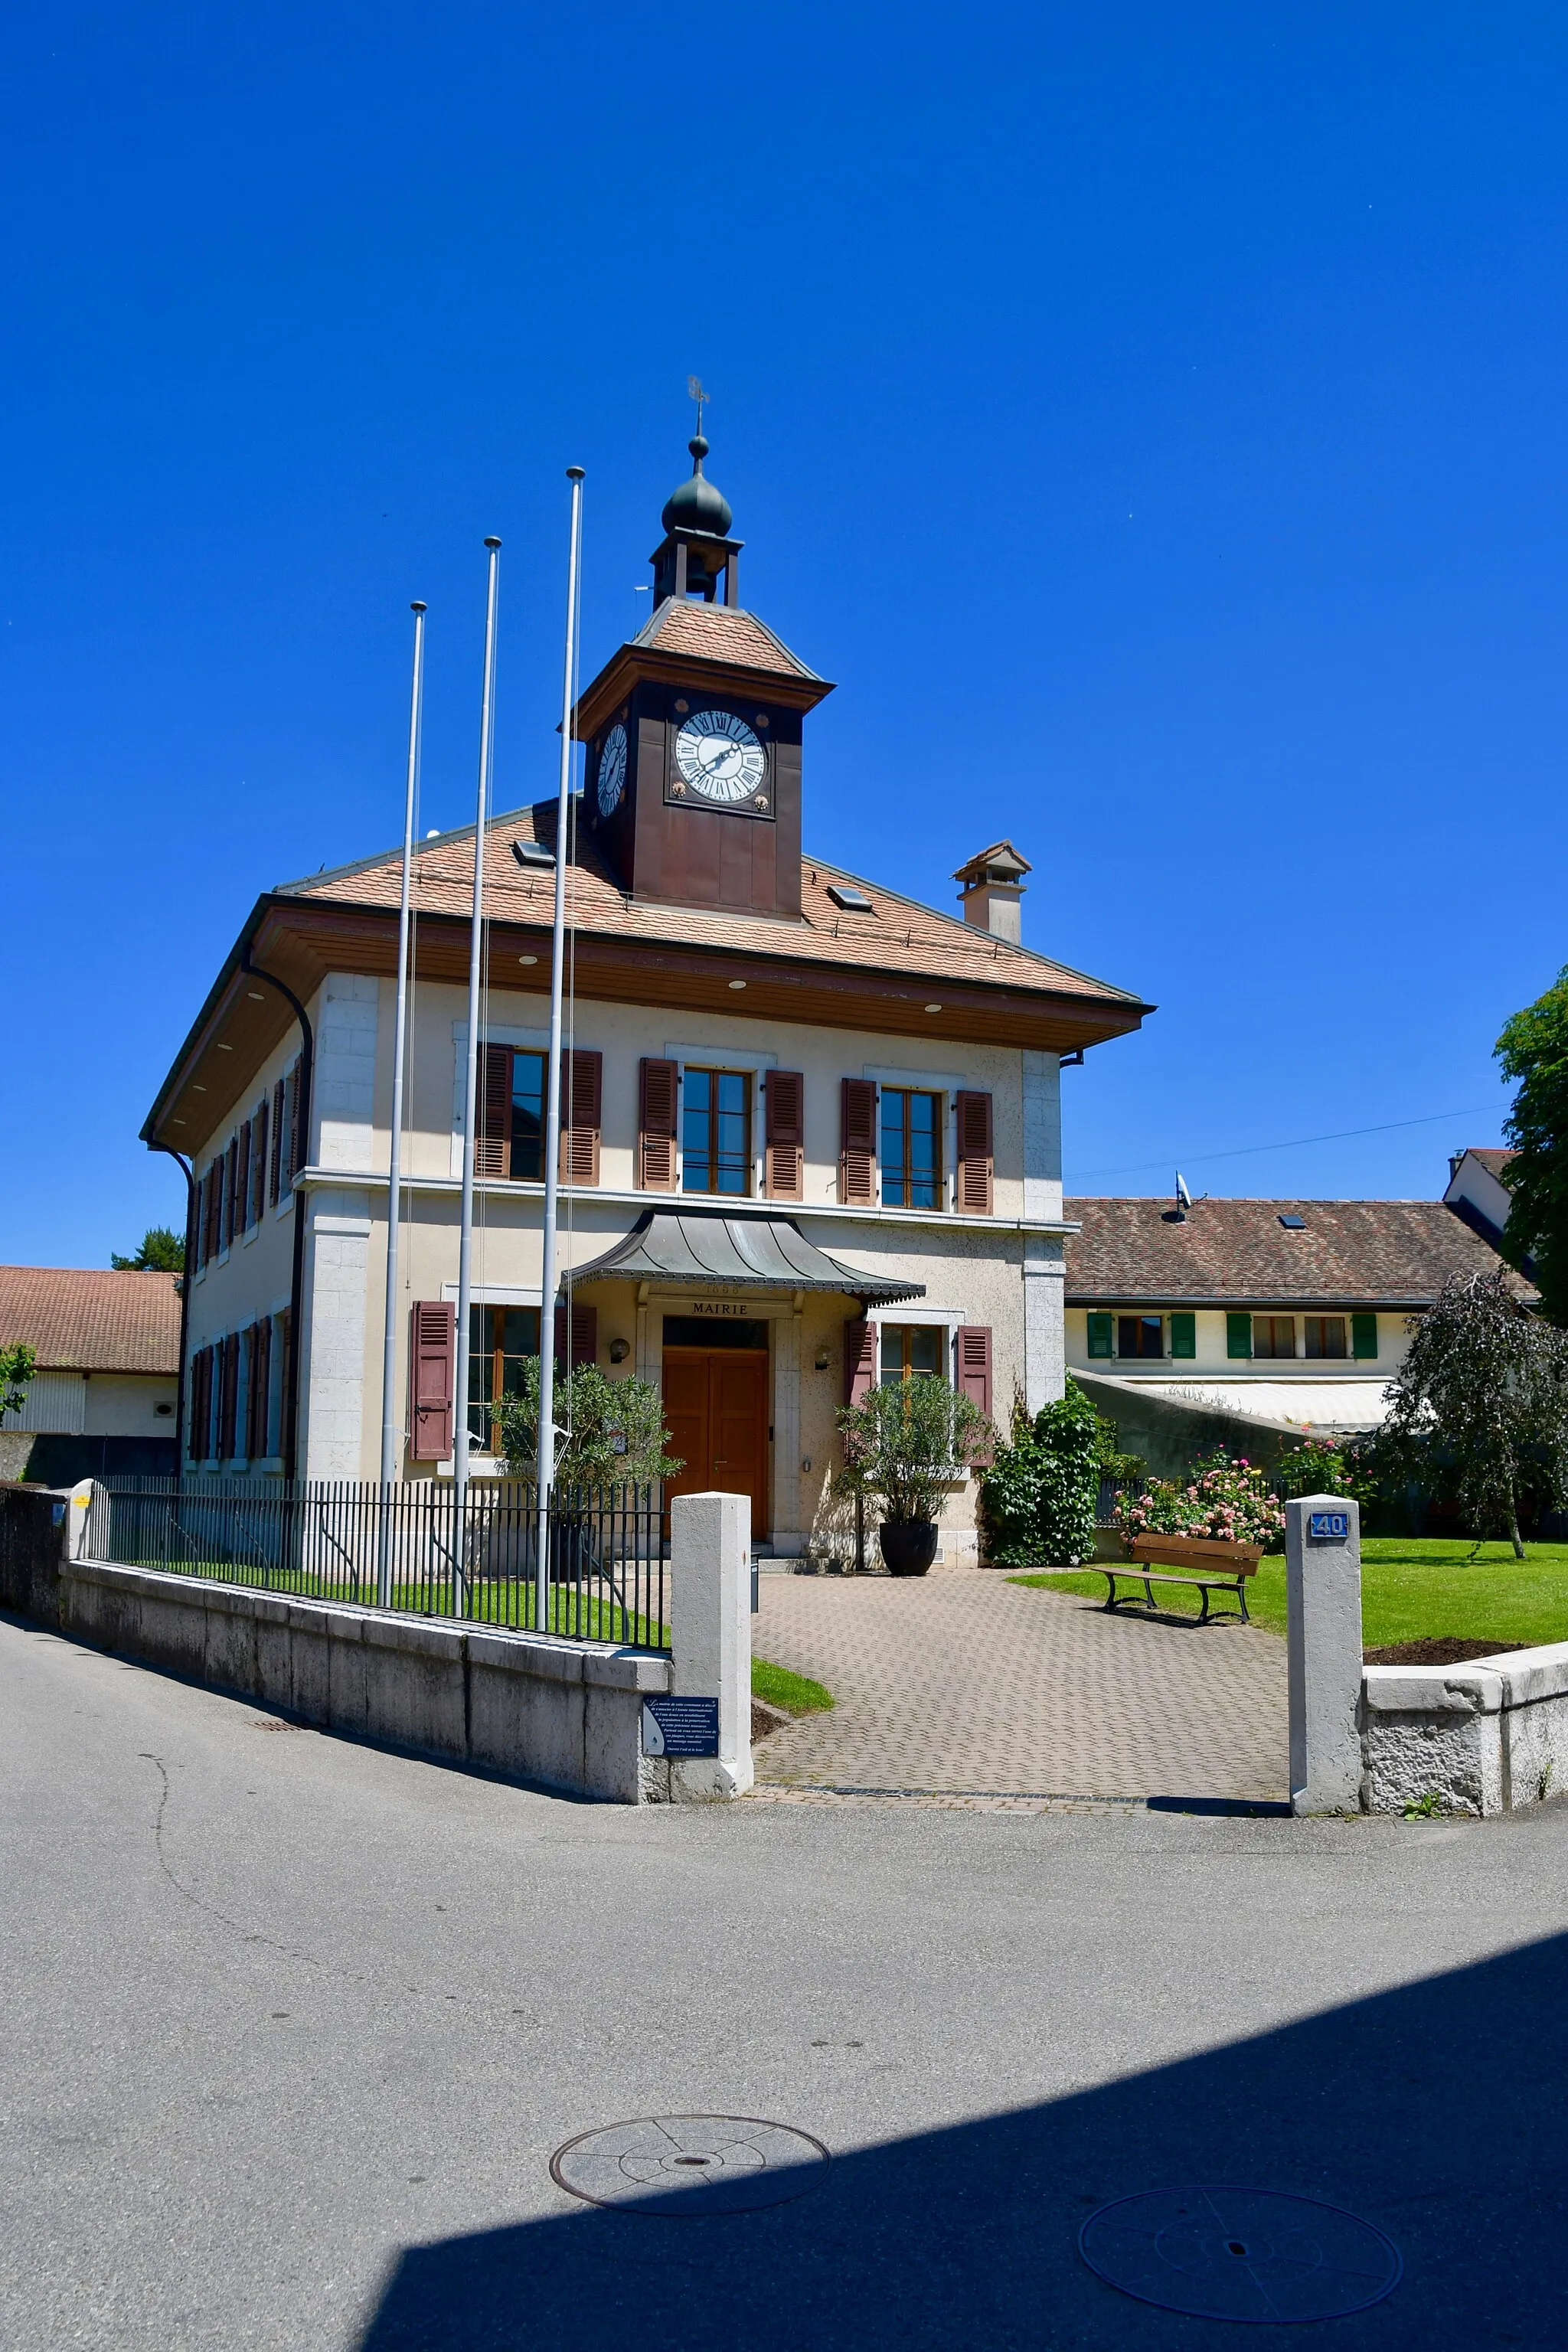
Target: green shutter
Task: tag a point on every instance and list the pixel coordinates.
(1364, 1335)
(1238, 1334)
(1183, 1334)
(1100, 1335)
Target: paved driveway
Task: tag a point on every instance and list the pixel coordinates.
(963, 1682)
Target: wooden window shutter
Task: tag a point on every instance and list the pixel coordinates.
(783, 1101)
(290, 1153)
(975, 1158)
(197, 1408)
(277, 1139)
(213, 1180)
(584, 1334)
(242, 1182)
(259, 1162)
(974, 1361)
(231, 1191)
(1183, 1334)
(581, 1073)
(257, 1416)
(1101, 1335)
(432, 1379)
(1238, 1334)
(860, 1359)
(857, 1141)
(492, 1127)
(228, 1396)
(657, 1090)
(1364, 1336)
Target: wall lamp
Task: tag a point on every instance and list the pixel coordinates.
(619, 1351)
(823, 1358)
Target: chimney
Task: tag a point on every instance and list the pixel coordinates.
(994, 889)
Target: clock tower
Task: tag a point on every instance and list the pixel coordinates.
(693, 731)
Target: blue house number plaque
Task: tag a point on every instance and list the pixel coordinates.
(1328, 1526)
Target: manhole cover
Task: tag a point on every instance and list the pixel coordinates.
(1240, 2253)
(691, 2165)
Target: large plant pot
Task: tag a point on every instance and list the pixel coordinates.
(909, 1546)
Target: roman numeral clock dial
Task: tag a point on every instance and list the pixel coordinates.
(719, 757)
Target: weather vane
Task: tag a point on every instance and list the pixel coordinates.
(694, 392)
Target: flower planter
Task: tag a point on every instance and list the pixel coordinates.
(909, 1546)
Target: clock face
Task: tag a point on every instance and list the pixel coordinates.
(719, 757)
(612, 770)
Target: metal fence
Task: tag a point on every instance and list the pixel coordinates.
(405, 1546)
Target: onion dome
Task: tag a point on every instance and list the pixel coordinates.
(697, 505)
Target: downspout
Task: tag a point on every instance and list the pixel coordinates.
(297, 1281)
(186, 1279)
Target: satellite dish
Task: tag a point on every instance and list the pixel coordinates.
(1183, 1198)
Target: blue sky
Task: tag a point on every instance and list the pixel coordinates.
(1153, 418)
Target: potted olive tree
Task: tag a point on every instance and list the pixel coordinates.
(609, 1433)
(903, 1447)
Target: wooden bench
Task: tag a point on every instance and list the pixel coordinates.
(1198, 1560)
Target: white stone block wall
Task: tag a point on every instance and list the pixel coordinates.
(346, 1071)
(336, 1293)
(1485, 1738)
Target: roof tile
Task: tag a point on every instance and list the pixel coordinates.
(82, 1319)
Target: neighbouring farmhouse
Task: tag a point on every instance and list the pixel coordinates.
(811, 1132)
(104, 1396)
(1252, 1323)
(1477, 1188)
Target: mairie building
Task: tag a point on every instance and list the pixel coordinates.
(810, 1128)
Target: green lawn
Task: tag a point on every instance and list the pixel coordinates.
(1410, 1590)
(794, 1693)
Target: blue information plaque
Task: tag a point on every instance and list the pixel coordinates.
(1328, 1526)
(680, 1726)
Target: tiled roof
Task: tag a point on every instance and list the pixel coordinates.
(1347, 1253)
(899, 936)
(719, 633)
(1493, 1157)
(80, 1320)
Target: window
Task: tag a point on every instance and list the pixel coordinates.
(526, 1147)
(501, 1340)
(1274, 1334)
(716, 1131)
(911, 1348)
(1325, 1335)
(912, 1149)
(1140, 1334)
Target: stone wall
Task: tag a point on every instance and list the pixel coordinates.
(1484, 1737)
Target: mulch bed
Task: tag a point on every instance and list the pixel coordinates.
(1436, 1650)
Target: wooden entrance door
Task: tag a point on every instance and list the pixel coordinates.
(716, 1406)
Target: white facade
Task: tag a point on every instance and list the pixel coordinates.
(1002, 1272)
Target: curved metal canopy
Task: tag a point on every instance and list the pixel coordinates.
(705, 1249)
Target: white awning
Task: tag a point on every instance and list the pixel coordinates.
(1332, 1407)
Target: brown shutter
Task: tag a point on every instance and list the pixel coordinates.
(432, 1379)
(584, 1334)
(581, 1073)
(242, 1182)
(658, 1083)
(200, 1411)
(285, 1159)
(859, 1361)
(258, 1163)
(974, 1160)
(230, 1191)
(784, 1096)
(228, 1396)
(277, 1139)
(259, 1372)
(974, 1359)
(298, 1141)
(857, 1141)
(492, 1126)
(214, 1180)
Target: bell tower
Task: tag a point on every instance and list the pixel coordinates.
(693, 729)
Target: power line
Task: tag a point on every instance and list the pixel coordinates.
(1296, 1143)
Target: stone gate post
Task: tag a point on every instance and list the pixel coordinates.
(1322, 1595)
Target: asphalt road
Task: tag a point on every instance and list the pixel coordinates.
(291, 2027)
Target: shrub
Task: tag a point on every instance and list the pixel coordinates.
(612, 1432)
(1324, 1466)
(1039, 1493)
(906, 1444)
(1231, 1501)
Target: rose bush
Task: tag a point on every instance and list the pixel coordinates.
(1231, 1502)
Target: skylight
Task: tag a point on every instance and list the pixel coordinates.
(532, 853)
(853, 902)
(1293, 1224)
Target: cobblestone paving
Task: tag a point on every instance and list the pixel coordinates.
(965, 1686)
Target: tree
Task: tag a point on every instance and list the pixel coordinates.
(612, 1432)
(1485, 1381)
(1533, 1051)
(161, 1252)
(18, 1362)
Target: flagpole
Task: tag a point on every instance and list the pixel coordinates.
(471, 1092)
(544, 1471)
(390, 1431)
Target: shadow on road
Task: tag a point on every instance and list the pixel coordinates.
(1436, 2111)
